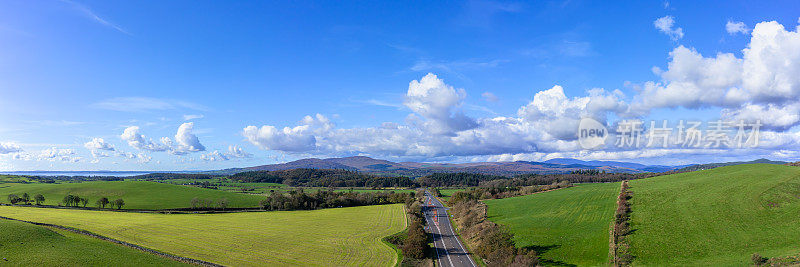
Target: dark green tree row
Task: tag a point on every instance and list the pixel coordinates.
(300, 200)
(25, 199)
(457, 179)
(322, 178)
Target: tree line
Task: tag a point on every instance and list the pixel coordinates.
(300, 200)
(323, 178)
(484, 180)
(25, 199)
(619, 247)
(414, 242)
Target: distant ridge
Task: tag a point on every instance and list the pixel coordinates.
(415, 169)
(707, 166)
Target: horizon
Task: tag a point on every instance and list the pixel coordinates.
(116, 86)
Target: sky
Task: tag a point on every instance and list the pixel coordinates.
(202, 85)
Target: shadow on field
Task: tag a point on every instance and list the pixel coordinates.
(548, 262)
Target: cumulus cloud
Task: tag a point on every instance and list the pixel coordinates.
(98, 143)
(762, 85)
(666, 25)
(139, 141)
(185, 141)
(9, 147)
(559, 116)
(429, 131)
(736, 27)
(439, 104)
(764, 80)
(233, 152)
(62, 154)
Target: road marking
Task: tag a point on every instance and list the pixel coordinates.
(466, 253)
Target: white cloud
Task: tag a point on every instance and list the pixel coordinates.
(186, 141)
(142, 104)
(665, 24)
(62, 154)
(439, 103)
(192, 117)
(763, 81)
(488, 96)
(238, 152)
(91, 15)
(98, 143)
(736, 27)
(139, 141)
(9, 147)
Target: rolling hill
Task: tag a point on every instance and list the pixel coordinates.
(716, 217)
(25, 244)
(137, 194)
(416, 169)
(327, 237)
(566, 226)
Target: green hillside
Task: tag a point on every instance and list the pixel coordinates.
(328, 237)
(137, 194)
(567, 226)
(23, 244)
(716, 217)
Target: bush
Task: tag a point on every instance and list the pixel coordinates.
(758, 259)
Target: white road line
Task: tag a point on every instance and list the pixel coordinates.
(456, 237)
(441, 239)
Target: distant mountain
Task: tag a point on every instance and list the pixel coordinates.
(416, 169)
(722, 164)
(628, 165)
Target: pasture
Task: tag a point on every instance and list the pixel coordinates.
(716, 217)
(329, 237)
(137, 194)
(565, 226)
(24, 244)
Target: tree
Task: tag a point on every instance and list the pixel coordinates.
(195, 203)
(119, 203)
(26, 198)
(222, 203)
(39, 198)
(102, 202)
(13, 199)
(84, 201)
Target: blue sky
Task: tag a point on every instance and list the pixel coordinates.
(74, 71)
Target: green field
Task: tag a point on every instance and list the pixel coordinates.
(137, 194)
(24, 244)
(330, 237)
(716, 217)
(565, 226)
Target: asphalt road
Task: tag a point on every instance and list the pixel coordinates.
(449, 250)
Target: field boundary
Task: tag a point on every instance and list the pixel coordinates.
(134, 246)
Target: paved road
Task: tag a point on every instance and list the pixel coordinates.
(449, 250)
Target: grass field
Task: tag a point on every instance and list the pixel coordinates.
(330, 237)
(137, 194)
(566, 226)
(23, 244)
(716, 217)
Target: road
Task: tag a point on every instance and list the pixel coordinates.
(449, 250)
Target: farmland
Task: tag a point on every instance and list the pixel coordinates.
(565, 226)
(716, 217)
(137, 194)
(26, 244)
(339, 236)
